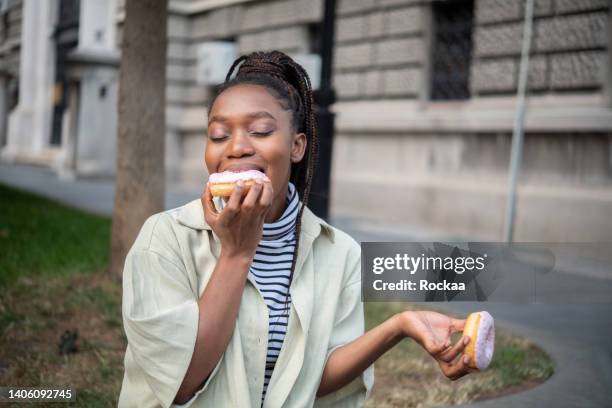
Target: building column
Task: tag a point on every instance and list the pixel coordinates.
(29, 125)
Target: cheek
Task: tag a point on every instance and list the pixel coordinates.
(276, 154)
(211, 157)
(279, 157)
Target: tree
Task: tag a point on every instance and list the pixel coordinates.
(140, 185)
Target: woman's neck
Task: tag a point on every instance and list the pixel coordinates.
(279, 204)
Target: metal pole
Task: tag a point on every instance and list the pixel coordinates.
(324, 98)
(519, 122)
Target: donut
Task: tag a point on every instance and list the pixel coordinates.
(222, 184)
(480, 327)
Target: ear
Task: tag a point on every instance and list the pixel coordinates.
(298, 147)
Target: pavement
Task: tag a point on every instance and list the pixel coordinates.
(577, 336)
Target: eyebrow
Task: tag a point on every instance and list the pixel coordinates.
(253, 115)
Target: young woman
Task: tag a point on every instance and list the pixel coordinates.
(253, 300)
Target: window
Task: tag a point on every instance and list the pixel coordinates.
(452, 49)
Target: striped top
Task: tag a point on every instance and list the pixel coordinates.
(270, 271)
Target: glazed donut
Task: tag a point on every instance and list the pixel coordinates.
(480, 327)
(222, 184)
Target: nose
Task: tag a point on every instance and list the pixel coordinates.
(240, 145)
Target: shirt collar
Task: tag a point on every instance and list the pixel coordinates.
(192, 215)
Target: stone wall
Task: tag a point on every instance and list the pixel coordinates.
(445, 163)
(380, 49)
(455, 184)
(569, 46)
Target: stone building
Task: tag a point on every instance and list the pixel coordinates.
(431, 145)
(425, 111)
(10, 40)
(62, 59)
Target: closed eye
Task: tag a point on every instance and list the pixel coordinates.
(262, 133)
(218, 138)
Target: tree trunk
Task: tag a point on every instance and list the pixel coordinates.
(140, 185)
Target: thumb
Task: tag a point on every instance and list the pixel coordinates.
(457, 325)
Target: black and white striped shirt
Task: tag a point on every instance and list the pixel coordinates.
(270, 271)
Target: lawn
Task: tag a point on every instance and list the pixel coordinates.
(40, 238)
(53, 280)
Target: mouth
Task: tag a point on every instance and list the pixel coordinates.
(237, 168)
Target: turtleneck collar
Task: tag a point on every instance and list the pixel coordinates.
(285, 225)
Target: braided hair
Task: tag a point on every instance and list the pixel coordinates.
(289, 83)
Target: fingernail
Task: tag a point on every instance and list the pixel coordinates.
(466, 359)
(258, 181)
(466, 340)
(447, 343)
(239, 183)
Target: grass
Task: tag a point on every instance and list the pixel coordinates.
(53, 279)
(43, 238)
(43, 310)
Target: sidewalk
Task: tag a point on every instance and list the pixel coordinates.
(576, 336)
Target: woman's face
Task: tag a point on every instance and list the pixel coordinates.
(248, 129)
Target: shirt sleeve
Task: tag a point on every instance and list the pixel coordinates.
(160, 315)
(349, 324)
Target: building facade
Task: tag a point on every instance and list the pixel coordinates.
(440, 144)
(10, 37)
(64, 70)
(425, 112)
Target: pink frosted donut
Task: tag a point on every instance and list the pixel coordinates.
(222, 184)
(480, 327)
(232, 177)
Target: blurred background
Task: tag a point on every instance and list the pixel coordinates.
(418, 104)
(425, 102)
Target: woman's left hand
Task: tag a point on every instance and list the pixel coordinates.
(433, 332)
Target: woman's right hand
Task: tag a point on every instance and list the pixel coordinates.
(239, 225)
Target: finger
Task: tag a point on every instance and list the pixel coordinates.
(233, 204)
(458, 369)
(252, 196)
(210, 211)
(451, 353)
(267, 194)
(457, 325)
(434, 347)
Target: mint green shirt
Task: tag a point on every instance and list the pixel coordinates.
(167, 270)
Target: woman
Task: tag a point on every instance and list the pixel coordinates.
(253, 300)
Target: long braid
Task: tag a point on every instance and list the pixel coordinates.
(311, 158)
(290, 84)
